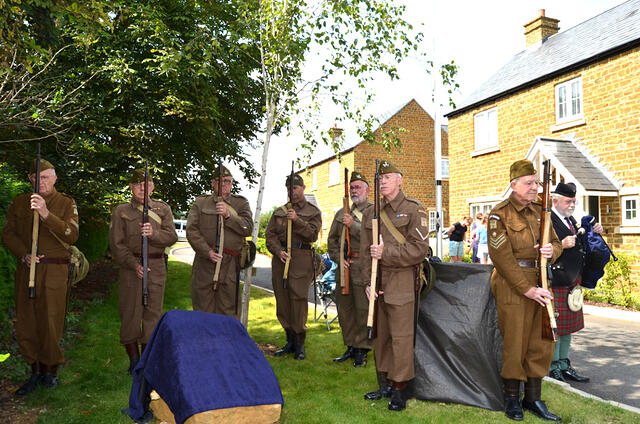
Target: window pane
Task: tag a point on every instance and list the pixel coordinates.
(445, 168)
(492, 130)
(575, 98)
(562, 102)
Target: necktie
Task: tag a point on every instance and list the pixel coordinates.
(570, 225)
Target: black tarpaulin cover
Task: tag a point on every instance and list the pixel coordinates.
(458, 350)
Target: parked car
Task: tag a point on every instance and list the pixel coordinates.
(181, 229)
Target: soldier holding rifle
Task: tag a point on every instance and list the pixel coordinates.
(40, 319)
(401, 248)
(125, 236)
(208, 213)
(291, 299)
(514, 232)
(352, 304)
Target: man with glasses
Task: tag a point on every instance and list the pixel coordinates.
(40, 321)
(352, 307)
(125, 235)
(202, 232)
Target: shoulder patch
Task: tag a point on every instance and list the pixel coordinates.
(494, 217)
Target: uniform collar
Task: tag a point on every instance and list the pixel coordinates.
(517, 205)
(301, 204)
(364, 206)
(396, 201)
(50, 195)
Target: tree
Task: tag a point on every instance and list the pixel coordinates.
(324, 52)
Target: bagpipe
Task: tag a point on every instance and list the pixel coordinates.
(597, 253)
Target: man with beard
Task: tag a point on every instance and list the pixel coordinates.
(352, 307)
(567, 276)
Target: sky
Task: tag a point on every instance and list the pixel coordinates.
(479, 36)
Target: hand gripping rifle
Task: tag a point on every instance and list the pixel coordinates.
(375, 236)
(145, 240)
(35, 231)
(345, 239)
(220, 231)
(549, 325)
(285, 274)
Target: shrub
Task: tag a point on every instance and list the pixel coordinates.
(261, 246)
(93, 240)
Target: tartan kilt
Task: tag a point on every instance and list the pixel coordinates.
(567, 320)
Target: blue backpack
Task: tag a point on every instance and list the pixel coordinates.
(597, 254)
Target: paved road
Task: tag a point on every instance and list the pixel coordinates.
(607, 350)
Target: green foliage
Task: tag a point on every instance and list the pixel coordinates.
(93, 240)
(616, 286)
(261, 247)
(264, 221)
(321, 248)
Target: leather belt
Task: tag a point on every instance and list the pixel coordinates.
(296, 245)
(527, 263)
(355, 255)
(150, 255)
(225, 250)
(59, 261)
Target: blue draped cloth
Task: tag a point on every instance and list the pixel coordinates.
(197, 362)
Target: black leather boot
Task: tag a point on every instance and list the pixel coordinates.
(512, 406)
(571, 374)
(383, 391)
(532, 402)
(346, 355)
(397, 402)
(299, 348)
(134, 355)
(290, 346)
(32, 383)
(49, 376)
(556, 374)
(360, 357)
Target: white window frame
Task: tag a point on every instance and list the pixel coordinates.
(433, 220)
(573, 99)
(445, 175)
(633, 221)
(314, 179)
(485, 207)
(334, 173)
(485, 130)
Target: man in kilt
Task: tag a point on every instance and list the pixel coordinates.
(566, 277)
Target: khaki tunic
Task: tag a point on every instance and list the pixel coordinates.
(40, 321)
(291, 302)
(513, 230)
(353, 307)
(395, 318)
(125, 241)
(202, 232)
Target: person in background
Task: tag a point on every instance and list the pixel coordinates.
(473, 248)
(457, 238)
(483, 245)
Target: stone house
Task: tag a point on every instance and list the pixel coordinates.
(324, 178)
(572, 97)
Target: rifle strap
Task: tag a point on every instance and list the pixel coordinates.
(392, 228)
(343, 238)
(152, 214)
(357, 213)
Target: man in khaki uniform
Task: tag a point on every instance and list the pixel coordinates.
(202, 232)
(513, 236)
(291, 301)
(40, 321)
(399, 261)
(352, 307)
(125, 235)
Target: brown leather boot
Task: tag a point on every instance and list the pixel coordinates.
(134, 355)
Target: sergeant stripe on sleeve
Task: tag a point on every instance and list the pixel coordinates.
(498, 241)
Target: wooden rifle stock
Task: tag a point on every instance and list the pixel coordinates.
(145, 240)
(220, 230)
(35, 231)
(549, 325)
(345, 240)
(375, 237)
(285, 274)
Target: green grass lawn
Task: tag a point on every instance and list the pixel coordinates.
(95, 386)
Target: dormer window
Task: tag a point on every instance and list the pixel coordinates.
(569, 101)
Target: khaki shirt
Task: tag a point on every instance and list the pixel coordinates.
(202, 229)
(335, 233)
(125, 234)
(305, 228)
(513, 231)
(398, 260)
(62, 221)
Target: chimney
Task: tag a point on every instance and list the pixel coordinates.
(540, 28)
(335, 132)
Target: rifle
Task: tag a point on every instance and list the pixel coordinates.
(285, 274)
(220, 232)
(35, 231)
(549, 325)
(145, 240)
(375, 237)
(345, 240)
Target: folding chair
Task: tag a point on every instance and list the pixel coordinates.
(325, 293)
